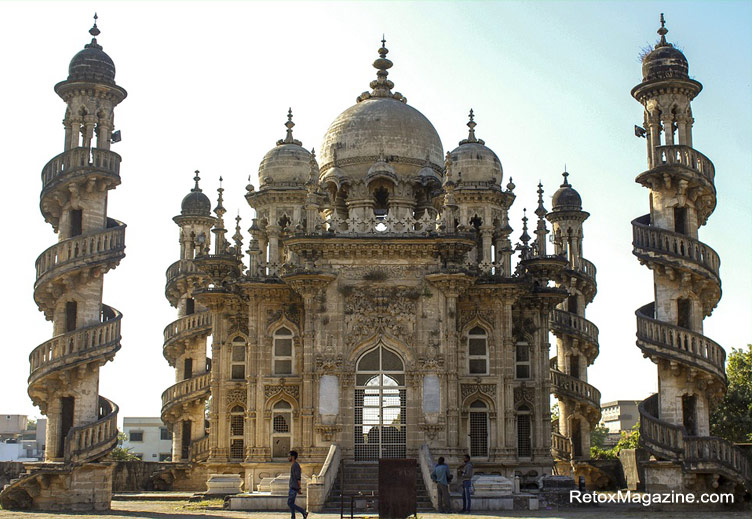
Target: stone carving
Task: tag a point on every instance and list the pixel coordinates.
(431, 429)
(389, 310)
(485, 389)
(235, 396)
(290, 313)
(272, 390)
(466, 317)
(523, 394)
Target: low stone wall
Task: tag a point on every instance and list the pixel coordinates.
(10, 470)
(136, 476)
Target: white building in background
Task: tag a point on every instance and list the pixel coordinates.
(19, 441)
(147, 438)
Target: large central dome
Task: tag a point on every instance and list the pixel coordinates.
(381, 126)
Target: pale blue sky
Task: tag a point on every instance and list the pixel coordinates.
(209, 86)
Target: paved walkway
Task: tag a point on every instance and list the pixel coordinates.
(212, 510)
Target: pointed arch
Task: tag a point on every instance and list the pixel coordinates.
(391, 343)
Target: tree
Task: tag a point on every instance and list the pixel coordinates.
(121, 453)
(732, 419)
(598, 436)
(628, 440)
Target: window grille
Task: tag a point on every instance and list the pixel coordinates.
(524, 449)
(280, 424)
(237, 428)
(479, 434)
(477, 349)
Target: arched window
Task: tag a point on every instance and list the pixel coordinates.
(524, 438)
(283, 352)
(237, 360)
(478, 429)
(477, 349)
(237, 429)
(522, 360)
(281, 429)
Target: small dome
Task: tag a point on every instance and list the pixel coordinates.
(92, 63)
(381, 124)
(287, 163)
(665, 61)
(473, 162)
(566, 198)
(195, 203)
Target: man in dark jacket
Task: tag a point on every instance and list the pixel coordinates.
(440, 477)
(294, 485)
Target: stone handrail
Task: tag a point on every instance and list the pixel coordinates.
(320, 485)
(677, 245)
(570, 322)
(584, 267)
(576, 388)
(200, 449)
(561, 447)
(88, 442)
(198, 322)
(701, 449)
(677, 343)
(89, 248)
(89, 341)
(658, 436)
(684, 156)
(180, 268)
(76, 159)
(189, 388)
(427, 464)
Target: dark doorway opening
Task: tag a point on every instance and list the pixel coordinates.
(68, 405)
(71, 315)
(683, 312)
(689, 414)
(576, 438)
(76, 222)
(187, 368)
(185, 440)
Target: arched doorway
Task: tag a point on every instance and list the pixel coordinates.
(380, 405)
(478, 429)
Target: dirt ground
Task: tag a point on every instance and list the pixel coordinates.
(212, 510)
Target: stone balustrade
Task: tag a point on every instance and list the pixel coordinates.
(703, 449)
(686, 156)
(561, 447)
(677, 343)
(584, 267)
(91, 441)
(654, 239)
(180, 268)
(568, 322)
(188, 389)
(200, 449)
(189, 325)
(576, 388)
(74, 160)
(659, 436)
(88, 248)
(387, 225)
(68, 348)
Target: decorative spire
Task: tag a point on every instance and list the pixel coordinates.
(313, 174)
(238, 236)
(471, 134)
(94, 31)
(289, 125)
(220, 245)
(663, 31)
(381, 86)
(196, 189)
(565, 175)
(510, 185)
(525, 237)
(540, 211)
(541, 230)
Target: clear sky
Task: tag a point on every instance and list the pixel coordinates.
(210, 83)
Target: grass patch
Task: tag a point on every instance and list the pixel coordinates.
(204, 504)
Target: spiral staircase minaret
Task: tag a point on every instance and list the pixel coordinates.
(64, 374)
(675, 422)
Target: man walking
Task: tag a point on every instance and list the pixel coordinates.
(439, 476)
(292, 457)
(466, 472)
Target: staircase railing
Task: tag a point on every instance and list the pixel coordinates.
(91, 441)
(320, 485)
(425, 460)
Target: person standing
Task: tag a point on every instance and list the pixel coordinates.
(295, 476)
(466, 473)
(439, 476)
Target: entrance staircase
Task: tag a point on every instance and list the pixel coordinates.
(360, 476)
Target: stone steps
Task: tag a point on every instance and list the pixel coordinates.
(364, 477)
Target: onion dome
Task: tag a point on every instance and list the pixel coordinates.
(665, 61)
(92, 63)
(379, 123)
(288, 163)
(196, 203)
(473, 162)
(566, 198)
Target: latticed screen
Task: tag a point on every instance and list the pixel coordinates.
(479, 434)
(380, 423)
(236, 449)
(236, 425)
(280, 424)
(523, 435)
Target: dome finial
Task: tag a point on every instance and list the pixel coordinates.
(663, 31)
(540, 211)
(565, 175)
(196, 189)
(382, 87)
(94, 31)
(289, 125)
(471, 124)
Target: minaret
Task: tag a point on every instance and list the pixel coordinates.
(185, 338)
(576, 337)
(675, 423)
(64, 377)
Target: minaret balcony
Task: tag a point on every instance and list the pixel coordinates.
(98, 342)
(189, 390)
(182, 330)
(91, 441)
(561, 446)
(674, 249)
(685, 156)
(181, 275)
(567, 386)
(101, 249)
(568, 323)
(676, 344)
(580, 274)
